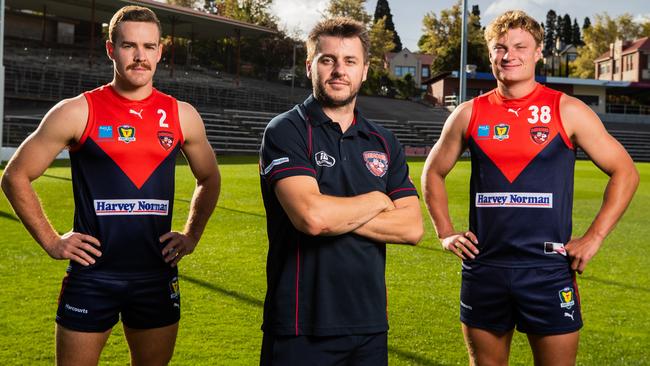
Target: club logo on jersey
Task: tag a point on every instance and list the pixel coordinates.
(566, 298)
(131, 207)
(554, 248)
(174, 288)
(483, 131)
(519, 199)
(501, 131)
(166, 139)
(324, 159)
(376, 162)
(539, 134)
(105, 132)
(127, 133)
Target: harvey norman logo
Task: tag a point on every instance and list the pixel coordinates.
(519, 199)
(131, 207)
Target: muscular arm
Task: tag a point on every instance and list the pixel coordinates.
(587, 131)
(203, 164)
(403, 225)
(314, 213)
(62, 126)
(439, 163)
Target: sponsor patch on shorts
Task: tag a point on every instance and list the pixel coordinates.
(514, 199)
(131, 207)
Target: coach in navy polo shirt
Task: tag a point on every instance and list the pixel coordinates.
(336, 189)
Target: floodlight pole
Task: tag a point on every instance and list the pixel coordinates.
(2, 73)
(462, 75)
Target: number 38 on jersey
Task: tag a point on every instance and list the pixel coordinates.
(539, 114)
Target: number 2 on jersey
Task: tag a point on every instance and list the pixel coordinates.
(163, 116)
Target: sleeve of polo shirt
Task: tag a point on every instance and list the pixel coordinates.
(399, 183)
(284, 152)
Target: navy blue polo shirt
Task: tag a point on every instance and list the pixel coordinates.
(327, 285)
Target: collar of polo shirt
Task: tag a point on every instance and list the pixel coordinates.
(317, 117)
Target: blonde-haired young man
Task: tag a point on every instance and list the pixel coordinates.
(518, 256)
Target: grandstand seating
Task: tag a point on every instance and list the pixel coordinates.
(236, 131)
(235, 114)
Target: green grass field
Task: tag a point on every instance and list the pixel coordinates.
(223, 282)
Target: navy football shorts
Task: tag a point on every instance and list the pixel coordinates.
(540, 301)
(349, 350)
(95, 304)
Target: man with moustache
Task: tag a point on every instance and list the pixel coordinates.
(123, 139)
(519, 258)
(336, 190)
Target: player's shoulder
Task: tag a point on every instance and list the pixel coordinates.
(462, 113)
(289, 120)
(75, 108)
(570, 106)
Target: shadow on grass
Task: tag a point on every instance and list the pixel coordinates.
(614, 283)
(57, 177)
(412, 357)
(8, 216)
(230, 293)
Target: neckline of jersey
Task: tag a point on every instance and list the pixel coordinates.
(128, 101)
(501, 100)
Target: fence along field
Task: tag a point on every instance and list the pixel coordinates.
(223, 281)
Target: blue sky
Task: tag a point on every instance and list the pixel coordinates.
(300, 15)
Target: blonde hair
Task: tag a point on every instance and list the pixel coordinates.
(513, 19)
(132, 13)
(338, 27)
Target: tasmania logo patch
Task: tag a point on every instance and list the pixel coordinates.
(376, 162)
(501, 131)
(126, 133)
(566, 298)
(166, 139)
(539, 134)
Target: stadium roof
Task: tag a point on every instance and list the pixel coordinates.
(188, 23)
(542, 79)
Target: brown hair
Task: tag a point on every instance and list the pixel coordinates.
(132, 13)
(514, 19)
(338, 27)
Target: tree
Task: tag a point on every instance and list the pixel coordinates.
(251, 11)
(566, 31)
(381, 42)
(586, 23)
(441, 39)
(597, 39)
(576, 36)
(184, 3)
(383, 10)
(348, 8)
(549, 32)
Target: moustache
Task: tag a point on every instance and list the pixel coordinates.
(145, 66)
(338, 80)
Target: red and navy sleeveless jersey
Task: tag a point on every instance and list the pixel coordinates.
(521, 188)
(123, 180)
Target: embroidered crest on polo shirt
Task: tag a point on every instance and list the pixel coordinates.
(376, 162)
(324, 159)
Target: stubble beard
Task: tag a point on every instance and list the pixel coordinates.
(327, 100)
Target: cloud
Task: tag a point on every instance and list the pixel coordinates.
(299, 15)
